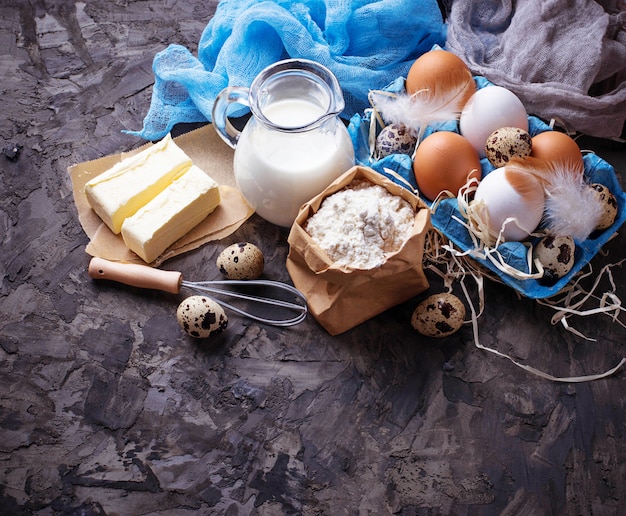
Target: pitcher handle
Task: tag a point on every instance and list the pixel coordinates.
(230, 95)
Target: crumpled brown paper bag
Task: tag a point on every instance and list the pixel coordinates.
(341, 298)
(208, 152)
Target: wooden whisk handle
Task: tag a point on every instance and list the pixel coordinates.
(135, 275)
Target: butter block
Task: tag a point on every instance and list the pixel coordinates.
(171, 214)
(130, 184)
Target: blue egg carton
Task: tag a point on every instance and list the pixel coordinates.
(445, 217)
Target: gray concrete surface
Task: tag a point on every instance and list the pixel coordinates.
(106, 407)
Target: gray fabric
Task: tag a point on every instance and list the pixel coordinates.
(565, 59)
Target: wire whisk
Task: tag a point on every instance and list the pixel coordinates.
(300, 309)
(143, 276)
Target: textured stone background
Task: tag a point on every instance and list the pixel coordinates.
(107, 408)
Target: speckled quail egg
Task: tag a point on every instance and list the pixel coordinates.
(556, 255)
(609, 206)
(506, 143)
(395, 139)
(201, 317)
(241, 261)
(439, 315)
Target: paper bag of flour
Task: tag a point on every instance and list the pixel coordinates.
(341, 297)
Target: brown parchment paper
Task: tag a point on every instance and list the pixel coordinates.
(208, 152)
(341, 298)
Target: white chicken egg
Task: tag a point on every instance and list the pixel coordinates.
(491, 108)
(509, 200)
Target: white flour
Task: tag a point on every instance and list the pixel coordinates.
(361, 224)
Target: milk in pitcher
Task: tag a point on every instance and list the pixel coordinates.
(280, 170)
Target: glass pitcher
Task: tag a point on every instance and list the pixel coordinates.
(294, 144)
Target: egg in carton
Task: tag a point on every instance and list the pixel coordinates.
(450, 222)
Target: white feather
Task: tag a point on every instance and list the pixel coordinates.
(572, 207)
(421, 109)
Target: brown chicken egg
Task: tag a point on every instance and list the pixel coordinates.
(441, 72)
(557, 147)
(444, 161)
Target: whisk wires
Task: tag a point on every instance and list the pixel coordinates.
(211, 287)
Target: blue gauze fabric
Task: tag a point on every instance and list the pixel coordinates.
(366, 44)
